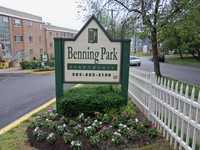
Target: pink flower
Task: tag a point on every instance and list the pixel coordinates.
(153, 126)
(131, 134)
(96, 113)
(78, 125)
(123, 113)
(104, 127)
(100, 131)
(115, 118)
(140, 123)
(65, 133)
(131, 128)
(40, 131)
(63, 117)
(90, 136)
(43, 113)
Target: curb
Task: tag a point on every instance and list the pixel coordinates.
(26, 116)
(42, 72)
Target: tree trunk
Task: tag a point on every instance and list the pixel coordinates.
(180, 54)
(155, 52)
(197, 58)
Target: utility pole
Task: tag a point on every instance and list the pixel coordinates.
(112, 23)
(135, 44)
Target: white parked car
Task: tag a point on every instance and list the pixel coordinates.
(134, 61)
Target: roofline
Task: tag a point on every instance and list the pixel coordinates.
(60, 30)
(10, 15)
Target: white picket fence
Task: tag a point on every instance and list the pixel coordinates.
(175, 113)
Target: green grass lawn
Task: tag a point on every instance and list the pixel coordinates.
(140, 54)
(186, 60)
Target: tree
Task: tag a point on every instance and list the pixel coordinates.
(183, 33)
(152, 14)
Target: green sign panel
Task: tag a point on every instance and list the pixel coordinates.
(91, 57)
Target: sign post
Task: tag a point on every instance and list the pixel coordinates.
(91, 57)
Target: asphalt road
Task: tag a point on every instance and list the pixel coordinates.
(21, 93)
(185, 73)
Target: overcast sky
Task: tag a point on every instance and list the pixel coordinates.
(61, 13)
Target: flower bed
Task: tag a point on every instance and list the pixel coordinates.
(49, 130)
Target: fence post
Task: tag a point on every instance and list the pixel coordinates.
(150, 105)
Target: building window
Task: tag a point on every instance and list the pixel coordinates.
(5, 20)
(30, 39)
(40, 39)
(63, 34)
(18, 38)
(41, 51)
(51, 45)
(17, 22)
(50, 33)
(30, 24)
(31, 52)
(56, 33)
(40, 26)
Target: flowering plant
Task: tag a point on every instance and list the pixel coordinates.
(146, 123)
(62, 129)
(63, 119)
(80, 118)
(53, 116)
(67, 137)
(115, 121)
(94, 140)
(104, 132)
(105, 118)
(36, 122)
(44, 114)
(133, 123)
(51, 138)
(35, 131)
(96, 125)
(88, 131)
(131, 136)
(123, 117)
(88, 121)
(117, 138)
(123, 129)
(98, 115)
(51, 110)
(140, 127)
(76, 145)
(39, 134)
(78, 129)
(152, 131)
(50, 124)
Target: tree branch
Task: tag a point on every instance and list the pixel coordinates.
(128, 9)
(173, 13)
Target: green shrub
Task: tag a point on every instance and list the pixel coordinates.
(51, 63)
(34, 64)
(88, 99)
(30, 64)
(24, 64)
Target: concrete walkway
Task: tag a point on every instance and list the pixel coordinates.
(13, 70)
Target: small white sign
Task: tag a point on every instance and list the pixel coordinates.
(44, 57)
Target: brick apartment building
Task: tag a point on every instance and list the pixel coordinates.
(55, 31)
(27, 35)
